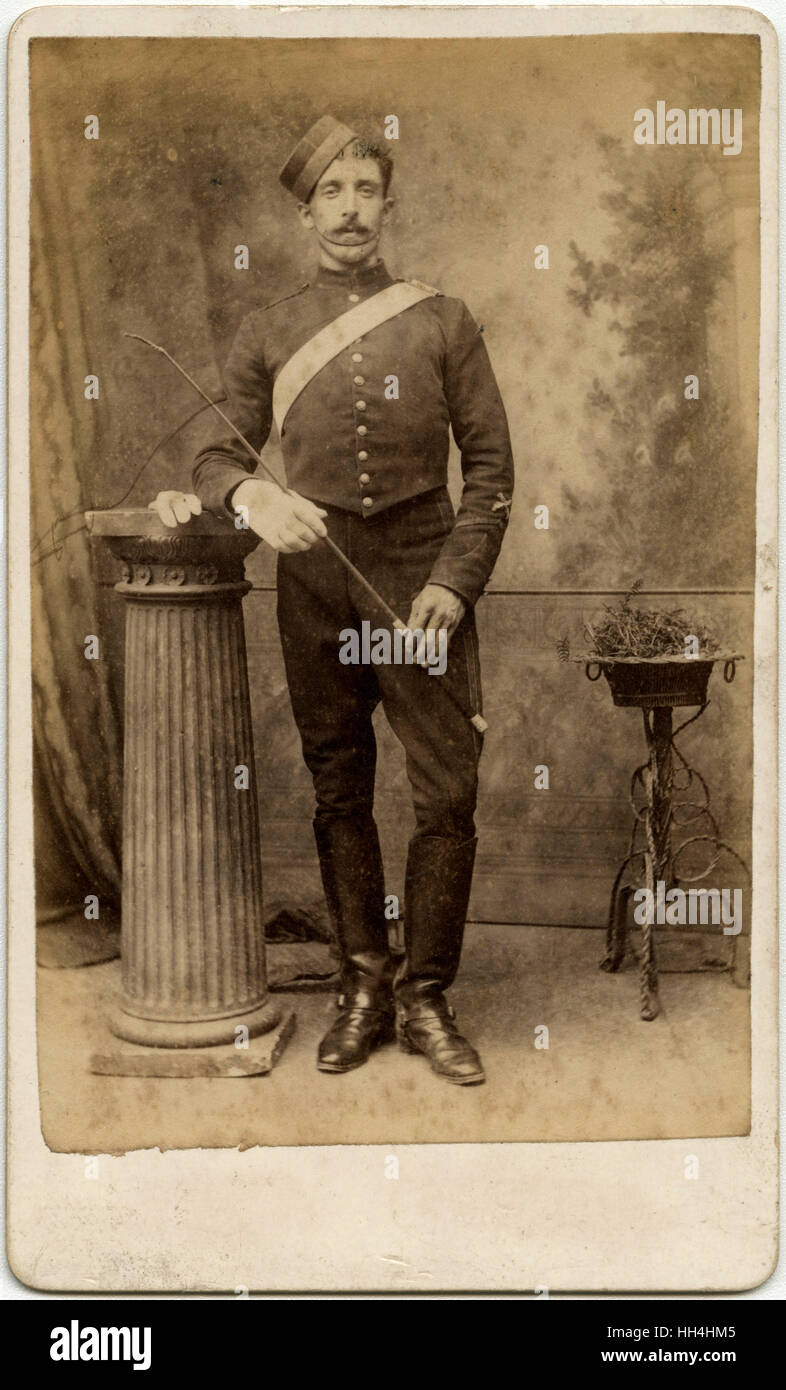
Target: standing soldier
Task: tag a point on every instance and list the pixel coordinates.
(365, 376)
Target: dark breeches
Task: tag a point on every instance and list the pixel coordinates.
(333, 703)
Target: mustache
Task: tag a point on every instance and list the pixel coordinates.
(356, 229)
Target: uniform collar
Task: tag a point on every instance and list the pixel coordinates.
(355, 277)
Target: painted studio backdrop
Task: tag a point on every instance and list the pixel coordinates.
(504, 147)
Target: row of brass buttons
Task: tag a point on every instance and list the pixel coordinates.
(358, 380)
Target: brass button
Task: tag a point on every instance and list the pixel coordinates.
(368, 501)
(359, 380)
(361, 429)
(353, 298)
(357, 357)
(363, 479)
(362, 455)
(360, 405)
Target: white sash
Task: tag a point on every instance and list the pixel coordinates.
(303, 366)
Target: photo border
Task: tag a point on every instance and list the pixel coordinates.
(594, 1217)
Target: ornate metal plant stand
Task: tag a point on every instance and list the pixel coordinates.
(193, 950)
(657, 686)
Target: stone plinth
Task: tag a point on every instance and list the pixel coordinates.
(193, 951)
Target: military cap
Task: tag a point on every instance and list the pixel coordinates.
(312, 155)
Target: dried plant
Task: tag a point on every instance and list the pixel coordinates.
(625, 631)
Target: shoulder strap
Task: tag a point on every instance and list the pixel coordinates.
(303, 366)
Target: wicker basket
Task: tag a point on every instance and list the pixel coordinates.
(658, 682)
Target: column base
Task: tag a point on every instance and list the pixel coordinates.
(258, 1059)
(214, 1032)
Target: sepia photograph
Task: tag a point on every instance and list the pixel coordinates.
(396, 570)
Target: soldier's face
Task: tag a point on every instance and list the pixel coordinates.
(348, 210)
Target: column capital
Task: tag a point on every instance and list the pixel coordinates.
(202, 557)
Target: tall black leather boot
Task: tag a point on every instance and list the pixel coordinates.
(352, 876)
(436, 897)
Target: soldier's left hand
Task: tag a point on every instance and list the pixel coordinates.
(437, 607)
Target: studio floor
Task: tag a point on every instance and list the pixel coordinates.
(604, 1075)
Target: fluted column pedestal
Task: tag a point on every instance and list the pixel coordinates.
(193, 949)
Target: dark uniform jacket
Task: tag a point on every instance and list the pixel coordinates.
(345, 443)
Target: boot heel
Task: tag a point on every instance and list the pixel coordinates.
(404, 1044)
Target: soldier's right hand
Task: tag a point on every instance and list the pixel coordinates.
(173, 507)
(287, 521)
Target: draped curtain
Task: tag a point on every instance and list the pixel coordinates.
(76, 721)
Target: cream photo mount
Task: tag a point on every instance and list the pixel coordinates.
(601, 1217)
